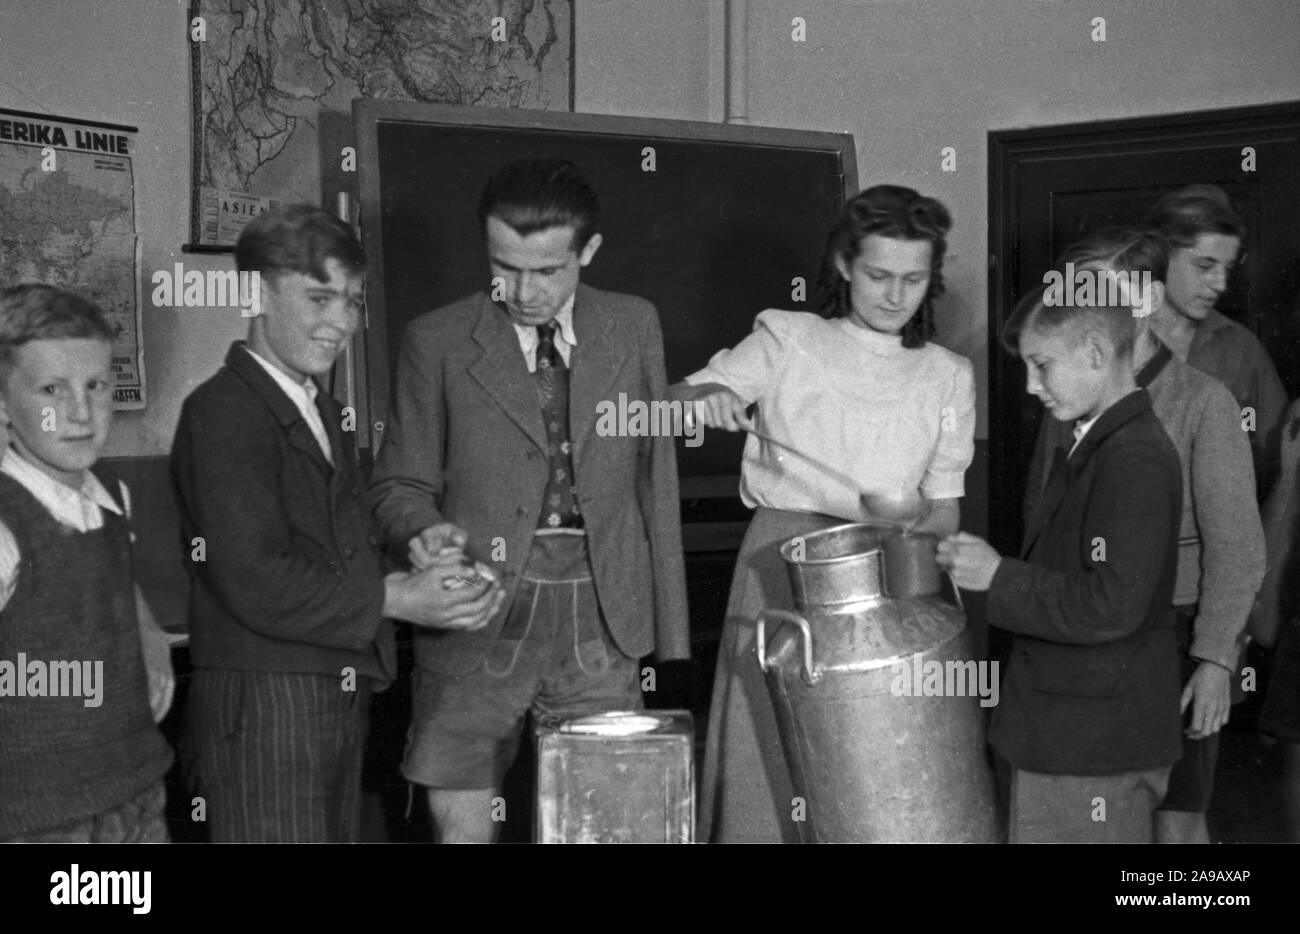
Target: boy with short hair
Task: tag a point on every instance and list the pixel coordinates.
(1089, 718)
(81, 759)
(1206, 237)
(1221, 543)
(288, 605)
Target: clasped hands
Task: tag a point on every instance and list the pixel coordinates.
(445, 589)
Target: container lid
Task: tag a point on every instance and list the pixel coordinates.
(616, 723)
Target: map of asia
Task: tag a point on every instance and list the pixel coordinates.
(273, 83)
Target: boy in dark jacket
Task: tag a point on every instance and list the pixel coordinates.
(288, 603)
(1089, 717)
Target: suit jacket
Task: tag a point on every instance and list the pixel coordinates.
(1092, 686)
(466, 444)
(290, 578)
(1221, 555)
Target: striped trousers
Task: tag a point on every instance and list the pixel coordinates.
(276, 756)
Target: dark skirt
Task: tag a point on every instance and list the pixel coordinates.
(745, 790)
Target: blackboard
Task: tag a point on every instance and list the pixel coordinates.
(729, 216)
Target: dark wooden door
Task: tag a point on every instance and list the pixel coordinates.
(1052, 185)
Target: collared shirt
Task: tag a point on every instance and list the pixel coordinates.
(81, 510)
(1081, 429)
(303, 395)
(565, 338)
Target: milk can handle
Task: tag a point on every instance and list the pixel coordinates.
(786, 616)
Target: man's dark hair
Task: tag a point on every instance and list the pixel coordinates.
(298, 238)
(531, 195)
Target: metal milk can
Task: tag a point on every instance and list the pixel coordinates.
(878, 693)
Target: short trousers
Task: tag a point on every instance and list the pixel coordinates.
(1191, 783)
(554, 657)
(142, 819)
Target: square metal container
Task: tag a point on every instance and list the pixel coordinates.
(617, 777)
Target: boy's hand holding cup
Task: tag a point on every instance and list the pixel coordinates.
(970, 560)
(447, 590)
(433, 599)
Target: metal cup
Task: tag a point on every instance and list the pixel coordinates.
(910, 566)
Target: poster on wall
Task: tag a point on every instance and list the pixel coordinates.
(272, 85)
(67, 217)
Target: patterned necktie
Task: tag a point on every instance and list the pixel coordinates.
(548, 355)
(560, 503)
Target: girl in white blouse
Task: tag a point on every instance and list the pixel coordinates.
(862, 391)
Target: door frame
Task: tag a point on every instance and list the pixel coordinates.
(1007, 150)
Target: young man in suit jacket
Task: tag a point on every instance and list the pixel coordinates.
(1089, 717)
(493, 447)
(288, 602)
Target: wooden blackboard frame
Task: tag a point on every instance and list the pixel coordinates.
(370, 115)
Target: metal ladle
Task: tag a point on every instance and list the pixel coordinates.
(894, 512)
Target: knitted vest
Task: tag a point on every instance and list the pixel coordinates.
(60, 760)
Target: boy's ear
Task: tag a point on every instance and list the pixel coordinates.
(256, 325)
(1096, 348)
(267, 293)
(5, 373)
(1157, 300)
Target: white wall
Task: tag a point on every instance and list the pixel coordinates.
(909, 78)
(128, 62)
(905, 78)
(647, 58)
